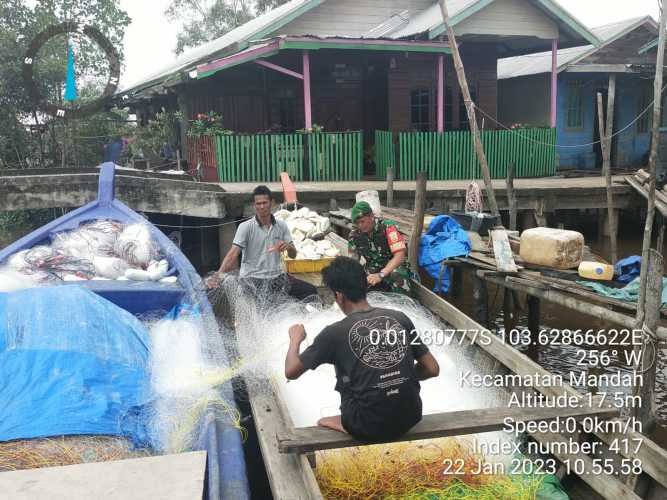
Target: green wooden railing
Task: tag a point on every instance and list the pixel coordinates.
(384, 152)
(336, 156)
(259, 157)
(451, 155)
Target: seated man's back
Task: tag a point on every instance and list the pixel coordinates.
(378, 356)
(374, 354)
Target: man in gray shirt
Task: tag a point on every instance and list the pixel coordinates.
(260, 242)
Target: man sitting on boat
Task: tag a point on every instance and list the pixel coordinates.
(260, 241)
(383, 248)
(378, 356)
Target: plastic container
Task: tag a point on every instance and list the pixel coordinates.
(596, 271)
(299, 266)
(373, 199)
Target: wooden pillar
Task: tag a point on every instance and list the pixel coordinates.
(441, 93)
(480, 295)
(390, 186)
(306, 91)
(554, 81)
(509, 311)
(647, 410)
(456, 285)
(511, 197)
(420, 200)
(184, 107)
(606, 135)
(533, 304)
(661, 233)
(226, 235)
(528, 220)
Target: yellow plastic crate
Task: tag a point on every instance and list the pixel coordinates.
(306, 265)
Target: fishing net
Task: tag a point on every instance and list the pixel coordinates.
(65, 450)
(96, 250)
(401, 470)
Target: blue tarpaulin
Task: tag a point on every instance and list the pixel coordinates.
(444, 239)
(71, 363)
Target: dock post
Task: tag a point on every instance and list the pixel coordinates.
(415, 239)
(511, 197)
(480, 296)
(646, 412)
(533, 304)
(226, 235)
(390, 187)
(509, 314)
(457, 282)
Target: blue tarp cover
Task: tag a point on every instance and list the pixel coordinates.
(444, 239)
(71, 363)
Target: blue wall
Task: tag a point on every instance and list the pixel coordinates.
(630, 148)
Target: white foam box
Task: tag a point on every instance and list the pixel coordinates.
(550, 247)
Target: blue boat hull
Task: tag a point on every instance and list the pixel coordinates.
(226, 471)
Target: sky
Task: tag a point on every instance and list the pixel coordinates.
(150, 39)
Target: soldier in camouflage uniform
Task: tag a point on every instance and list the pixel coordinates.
(383, 248)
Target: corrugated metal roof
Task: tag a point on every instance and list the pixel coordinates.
(432, 17)
(217, 47)
(534, 64)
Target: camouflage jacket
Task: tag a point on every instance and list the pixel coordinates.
(377, 249)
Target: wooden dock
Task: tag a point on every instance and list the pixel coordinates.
(542, 195)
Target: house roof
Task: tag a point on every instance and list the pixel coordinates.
(534, 64)
(430, 20)
(398, 26)
(268, 48)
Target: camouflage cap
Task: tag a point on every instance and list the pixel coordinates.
(360, 208)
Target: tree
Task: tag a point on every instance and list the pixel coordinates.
(206, 20)
(267, 5)
(19, 23)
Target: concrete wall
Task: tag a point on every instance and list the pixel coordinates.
(525, 100)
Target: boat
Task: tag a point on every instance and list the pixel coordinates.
(291, 453)
(225, 472)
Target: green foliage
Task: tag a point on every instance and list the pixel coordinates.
(207, 124)
(206, 20)
(15, 225)
(20, 21)
(267, 5)
(150, 140)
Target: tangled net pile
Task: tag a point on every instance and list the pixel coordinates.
(99, 250)
(415, 471)
(65, 450)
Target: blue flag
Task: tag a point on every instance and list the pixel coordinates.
(70, 85)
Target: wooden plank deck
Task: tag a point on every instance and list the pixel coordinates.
(455, 423)
(544, 194)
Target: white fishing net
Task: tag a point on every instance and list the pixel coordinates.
(96, 250)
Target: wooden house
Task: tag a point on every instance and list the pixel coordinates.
(524, 83)
(373, 73)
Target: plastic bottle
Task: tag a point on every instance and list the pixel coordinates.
(596, 271)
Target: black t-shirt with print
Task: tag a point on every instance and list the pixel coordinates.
(374, 354)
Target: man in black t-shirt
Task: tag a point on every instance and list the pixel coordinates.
(378, 356)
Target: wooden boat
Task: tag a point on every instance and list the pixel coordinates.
(288, 452)
(226, 473)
